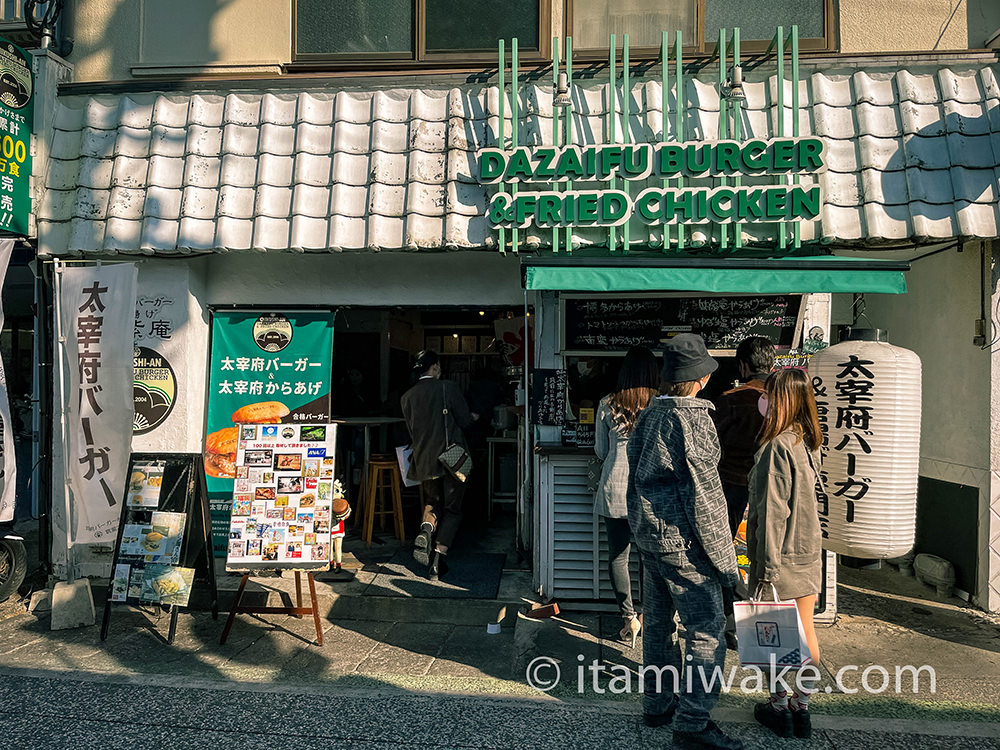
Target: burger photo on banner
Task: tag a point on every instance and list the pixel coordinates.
(267, 368)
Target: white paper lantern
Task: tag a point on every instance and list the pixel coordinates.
(868, 395)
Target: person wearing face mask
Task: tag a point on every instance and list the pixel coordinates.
(738, 422)
(784, 538)
(678, 517)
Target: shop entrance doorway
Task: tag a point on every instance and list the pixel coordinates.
(482, 350)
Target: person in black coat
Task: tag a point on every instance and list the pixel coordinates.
(436, 413)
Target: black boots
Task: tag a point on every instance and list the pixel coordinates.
(422, 544)
(438, 567)
(779, 722)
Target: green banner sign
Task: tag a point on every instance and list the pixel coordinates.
(16, 123)
(270, 369)
(598, 206)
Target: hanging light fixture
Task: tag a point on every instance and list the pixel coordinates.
(732, 90)
(561, 98)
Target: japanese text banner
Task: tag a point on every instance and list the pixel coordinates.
(8, 465)
(97, 313)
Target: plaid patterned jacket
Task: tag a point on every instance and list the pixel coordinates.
(674, 497)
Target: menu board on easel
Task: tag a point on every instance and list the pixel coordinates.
(282, 498)
(163, 551)
(595, 324)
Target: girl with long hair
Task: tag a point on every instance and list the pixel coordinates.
(638, 381)
(783, 531)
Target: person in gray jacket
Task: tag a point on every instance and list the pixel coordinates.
(681, 526)
(638, 381)
(784, 539)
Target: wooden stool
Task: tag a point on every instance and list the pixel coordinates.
(383, 474)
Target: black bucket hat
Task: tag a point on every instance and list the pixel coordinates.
(686, 358)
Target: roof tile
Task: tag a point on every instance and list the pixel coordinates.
(309, 233)
(278, 109)
(202, 171)
(126, 204)
(167, 141)
(128, 172)
(312, 169)
(163, 203)
(206, 111)
(313, 139)
(239, 171)
(237, 202)
(977, 219)
(171, 112)
(913, 153)
(273, 201)
(165, 172)
(234, 233)
(315, 109)
(204, 141)
(159, 234)
(93, 173)
(199, 203)
(196, 234)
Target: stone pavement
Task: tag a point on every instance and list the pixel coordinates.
(397, 649)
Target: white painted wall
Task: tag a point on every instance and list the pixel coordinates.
(453, 278)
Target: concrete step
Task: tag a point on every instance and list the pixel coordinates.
(346, 600)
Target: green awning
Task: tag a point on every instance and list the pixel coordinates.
(798, 275)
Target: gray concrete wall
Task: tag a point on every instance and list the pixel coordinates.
(936, 319)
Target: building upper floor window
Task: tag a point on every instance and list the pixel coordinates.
(416, 30)
(592, 21)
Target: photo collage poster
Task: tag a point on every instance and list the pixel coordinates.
(283, 496)
(148, 568)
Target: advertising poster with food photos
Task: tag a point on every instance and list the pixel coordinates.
(282, 497)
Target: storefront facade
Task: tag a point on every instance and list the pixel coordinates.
(284, 193)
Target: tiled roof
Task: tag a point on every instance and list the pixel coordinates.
(911, 154)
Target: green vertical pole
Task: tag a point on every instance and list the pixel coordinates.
(502, 86)
(612, 112)
(568, 127)
(737, 129)
(781, 112)
(723, 126)
(679, 129)
(665, 108)
(796, 226)
(555, 125)
(514, 114)
(625, 131)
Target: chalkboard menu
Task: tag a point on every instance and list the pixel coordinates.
(608, 325)
(548, 397)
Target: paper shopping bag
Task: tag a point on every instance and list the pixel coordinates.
(770, 631)
(404, 454)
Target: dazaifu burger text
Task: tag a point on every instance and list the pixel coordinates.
(583, 205)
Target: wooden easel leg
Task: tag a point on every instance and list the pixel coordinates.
(173, 624)
(298, 592)
(236, 605)
(315, 610)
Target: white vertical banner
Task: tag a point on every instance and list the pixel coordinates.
(8, 464)
(96, 319)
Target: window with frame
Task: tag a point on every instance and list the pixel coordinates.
(394, 31)
(591, 22)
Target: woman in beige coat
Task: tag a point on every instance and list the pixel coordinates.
(783, 531)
